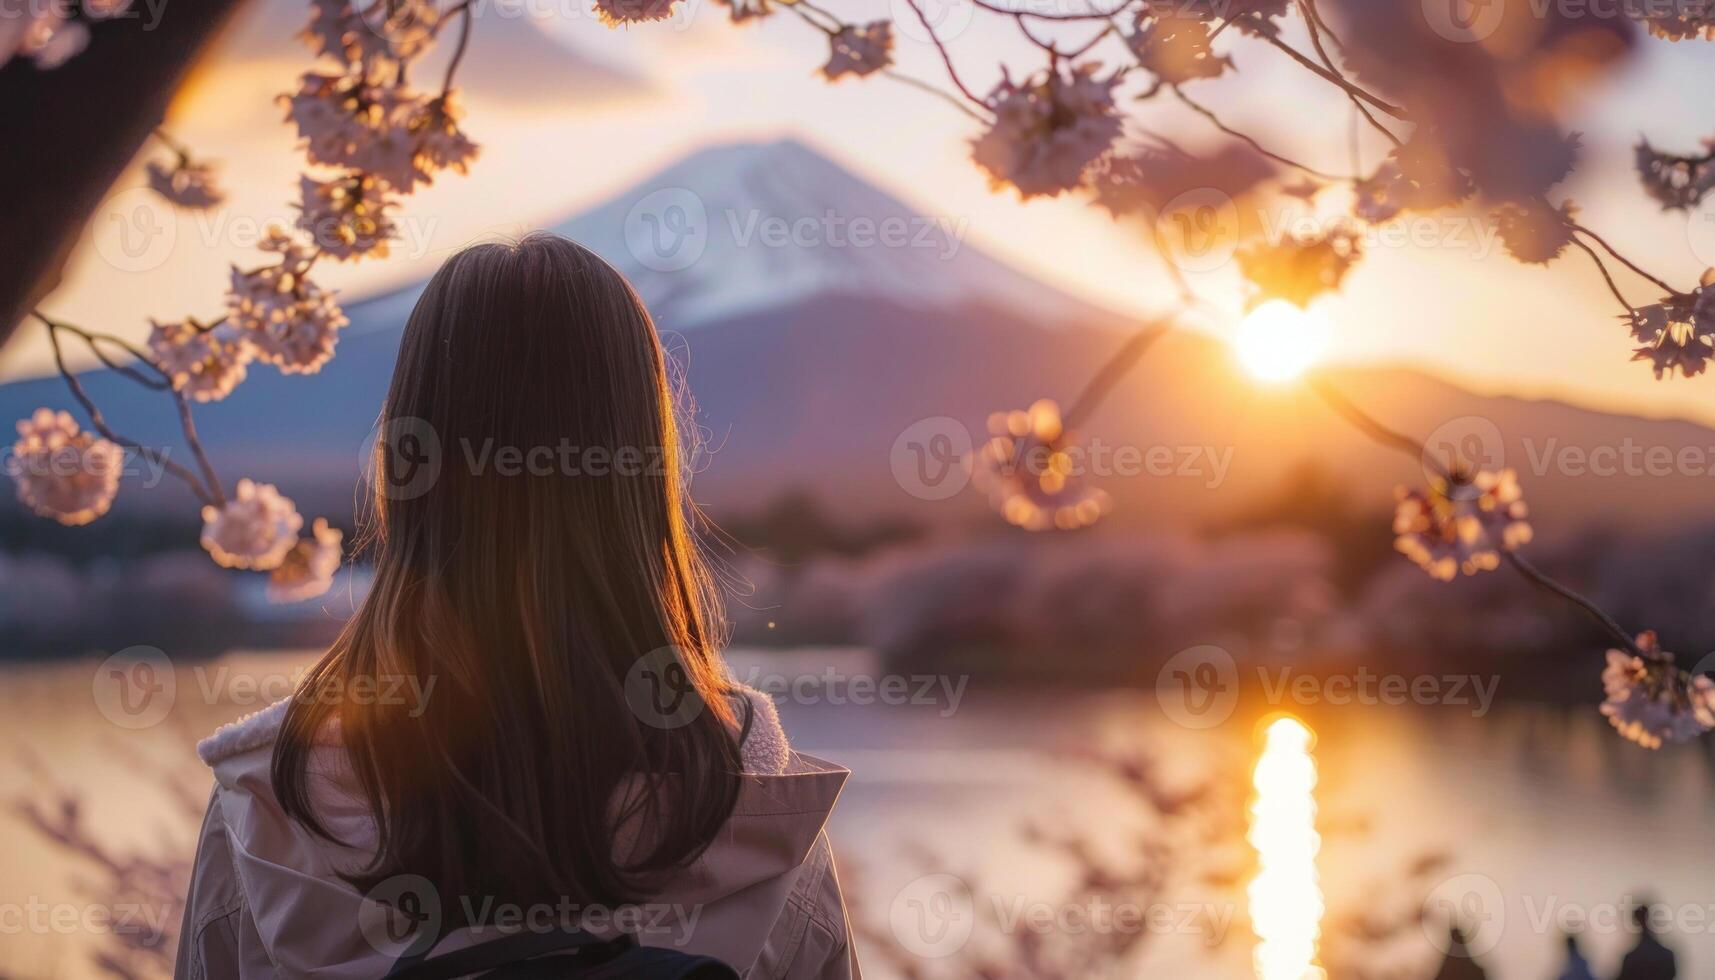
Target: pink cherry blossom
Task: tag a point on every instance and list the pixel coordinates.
(1462, 532)
(1678, 333)
(1533, 231)
(293, 323)
(1028, 466)
(346, 121)
(62, 472)
(347, 216)
(187, 184)
(1048, 131)
(378, 38)
(256, 529)
(441, 145)
(859, 50)
(308, 569)
(1675, 182)
(1651, 701)
(204, 362)
(51, 40)
(615, 13)
(1173, 47)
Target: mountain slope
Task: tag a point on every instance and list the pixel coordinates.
(741, 228)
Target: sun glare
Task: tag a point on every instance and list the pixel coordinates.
(1285, 897)
(1277, 341)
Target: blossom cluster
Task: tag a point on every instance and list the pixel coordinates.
(1461, 527)
(371, 139)
(1029, 475)
(62, 472)
(1651, 701)
(48, 33)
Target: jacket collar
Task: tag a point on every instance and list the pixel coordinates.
(765, 751)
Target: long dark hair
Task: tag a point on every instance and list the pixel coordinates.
(550, 558)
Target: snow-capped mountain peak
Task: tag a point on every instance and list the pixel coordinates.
(741, 228)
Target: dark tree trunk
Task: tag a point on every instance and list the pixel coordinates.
(68, 134)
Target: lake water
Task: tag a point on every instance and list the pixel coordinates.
(1520, 820)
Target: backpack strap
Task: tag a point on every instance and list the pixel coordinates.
(506, 950)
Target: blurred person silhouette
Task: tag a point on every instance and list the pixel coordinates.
(1459, 963)
(1577, 967)
(1649, 959)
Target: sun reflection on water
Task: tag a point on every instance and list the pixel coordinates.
(1285, 896)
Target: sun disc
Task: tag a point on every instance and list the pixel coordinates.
(1277, 341)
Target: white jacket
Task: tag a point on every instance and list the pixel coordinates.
(266, 899)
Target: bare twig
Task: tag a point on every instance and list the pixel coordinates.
(1628, 263)
(1544, 582)
(946, 58)
(1209, 114)
(918, 83)
(1313, 21)
(1367, 424)
(1607, 277)
(179, 149)
(463, 12)
(1112, 371)
(188, 426)
(93, 341)
(1337, 79)
(995, 8)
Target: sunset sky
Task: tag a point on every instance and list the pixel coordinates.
(569, 112)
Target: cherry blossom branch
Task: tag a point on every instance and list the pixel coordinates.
(1209, 114)
(1628, 263)
(1336, 78)
(462, 11)
(1321, 22)
(1313, 21)
(1523, 566)
(179, 149)
(1113, 371)
(99, 422)
(187, 424)
(838, 25)
(94, 340)
(1606, 275)
(995, 8)
(946, 58)
(1369, 426)
(949, 97)
(1396, 440)
(800, 8)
